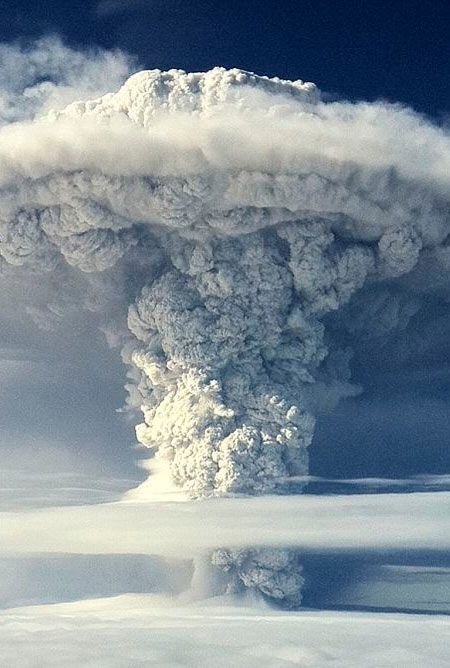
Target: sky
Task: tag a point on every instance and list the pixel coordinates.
(77, 558)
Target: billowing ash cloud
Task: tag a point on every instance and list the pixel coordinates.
(256, 233)
(46, 74)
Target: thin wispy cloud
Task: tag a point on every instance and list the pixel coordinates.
(109, 8)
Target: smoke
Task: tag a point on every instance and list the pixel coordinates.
(46, 74)
(255, 234)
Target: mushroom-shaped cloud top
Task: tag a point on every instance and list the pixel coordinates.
(256, 232)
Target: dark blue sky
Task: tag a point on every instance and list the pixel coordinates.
(397, 50)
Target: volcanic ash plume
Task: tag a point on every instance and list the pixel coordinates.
(237, 216)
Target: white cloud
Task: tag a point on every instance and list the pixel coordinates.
(149, 631)
(46, 74)
(355, 522)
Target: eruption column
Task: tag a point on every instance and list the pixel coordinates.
(235, 218)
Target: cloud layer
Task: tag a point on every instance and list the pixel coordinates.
(147, 631)
(322, 523)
